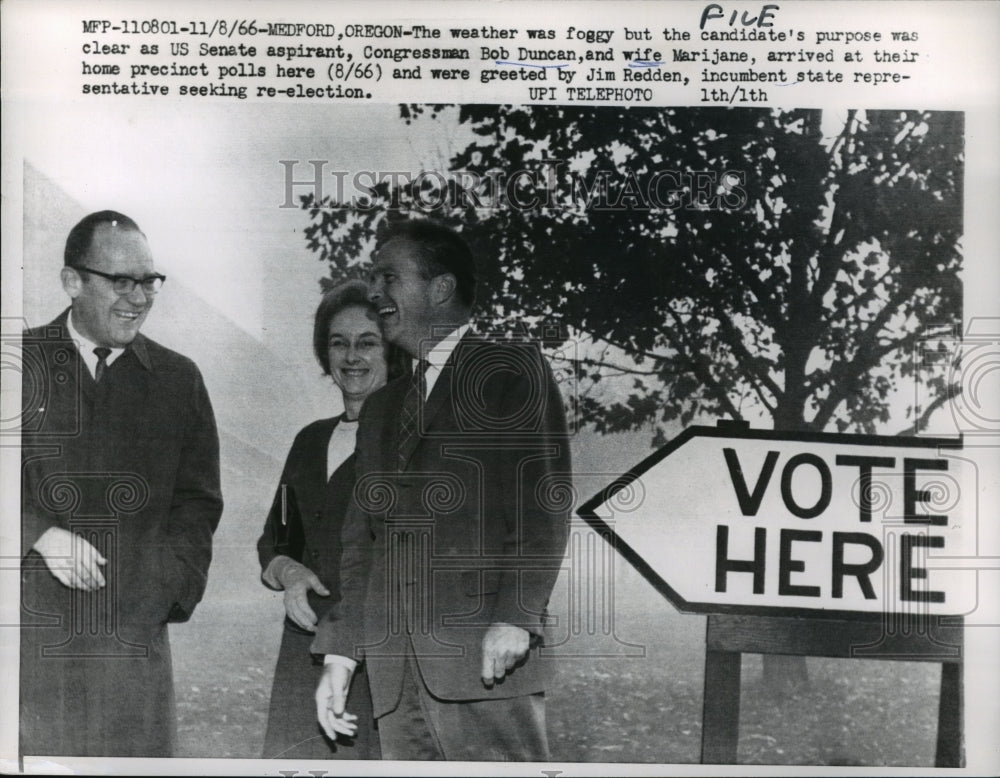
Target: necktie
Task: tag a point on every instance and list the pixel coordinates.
(102, 361)
(409, 418)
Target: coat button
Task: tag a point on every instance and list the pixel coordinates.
(315, 554)
(318, 515)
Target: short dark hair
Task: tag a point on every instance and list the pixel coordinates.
(440, 249)
(82, 235)
(346, 295)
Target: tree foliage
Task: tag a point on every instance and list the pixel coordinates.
(786, 264)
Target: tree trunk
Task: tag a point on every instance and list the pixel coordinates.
(784, 675)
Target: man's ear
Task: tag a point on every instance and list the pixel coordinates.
(71, 282)
(445, 286)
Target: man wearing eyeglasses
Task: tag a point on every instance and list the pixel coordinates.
(120, 498)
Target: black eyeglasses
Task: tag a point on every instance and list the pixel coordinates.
(125, 285)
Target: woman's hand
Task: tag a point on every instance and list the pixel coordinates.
(298, 580)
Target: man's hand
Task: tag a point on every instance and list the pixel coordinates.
(331, 700)
(297, 580)
(504, 645)
(71, 559)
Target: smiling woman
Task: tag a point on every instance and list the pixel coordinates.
(356, 356)
(300, 546)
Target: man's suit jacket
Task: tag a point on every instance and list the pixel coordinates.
(471, 532)
(132, 464)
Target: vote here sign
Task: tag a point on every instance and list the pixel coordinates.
(733, 520)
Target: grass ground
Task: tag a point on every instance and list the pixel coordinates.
(602, 707)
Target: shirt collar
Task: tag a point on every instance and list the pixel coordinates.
(87, 346)
(438, 356)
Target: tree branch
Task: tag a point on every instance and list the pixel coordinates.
(826, 256)
(920, 423)
(907, 340)
(700, 370)
(844, 374)
(863, 297)
(621, 368)
(747, 360)
(768, 302)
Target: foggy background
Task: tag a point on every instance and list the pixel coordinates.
(241, 291)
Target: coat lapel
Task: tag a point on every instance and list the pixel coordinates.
(390, 428)
(310, 473)
(84, 382)
(440, 396)
(432, 414)
(426, 411)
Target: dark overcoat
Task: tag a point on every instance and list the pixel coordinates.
(132, 465)
(304, 524)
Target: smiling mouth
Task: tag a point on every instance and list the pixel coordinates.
(386, 311)
(357, 372)
(127, 315)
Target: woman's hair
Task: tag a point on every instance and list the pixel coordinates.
(346, 295)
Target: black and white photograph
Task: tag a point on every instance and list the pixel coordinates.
(548, 388)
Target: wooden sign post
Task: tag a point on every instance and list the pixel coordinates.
(807, 544)
(728, 637)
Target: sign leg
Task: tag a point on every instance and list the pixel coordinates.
(721, 707)
(949, 738)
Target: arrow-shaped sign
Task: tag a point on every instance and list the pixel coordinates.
(734, 520)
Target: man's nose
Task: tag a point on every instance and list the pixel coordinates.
(137, 296)
(374, 290)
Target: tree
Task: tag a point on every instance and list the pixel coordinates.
(750, 264)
